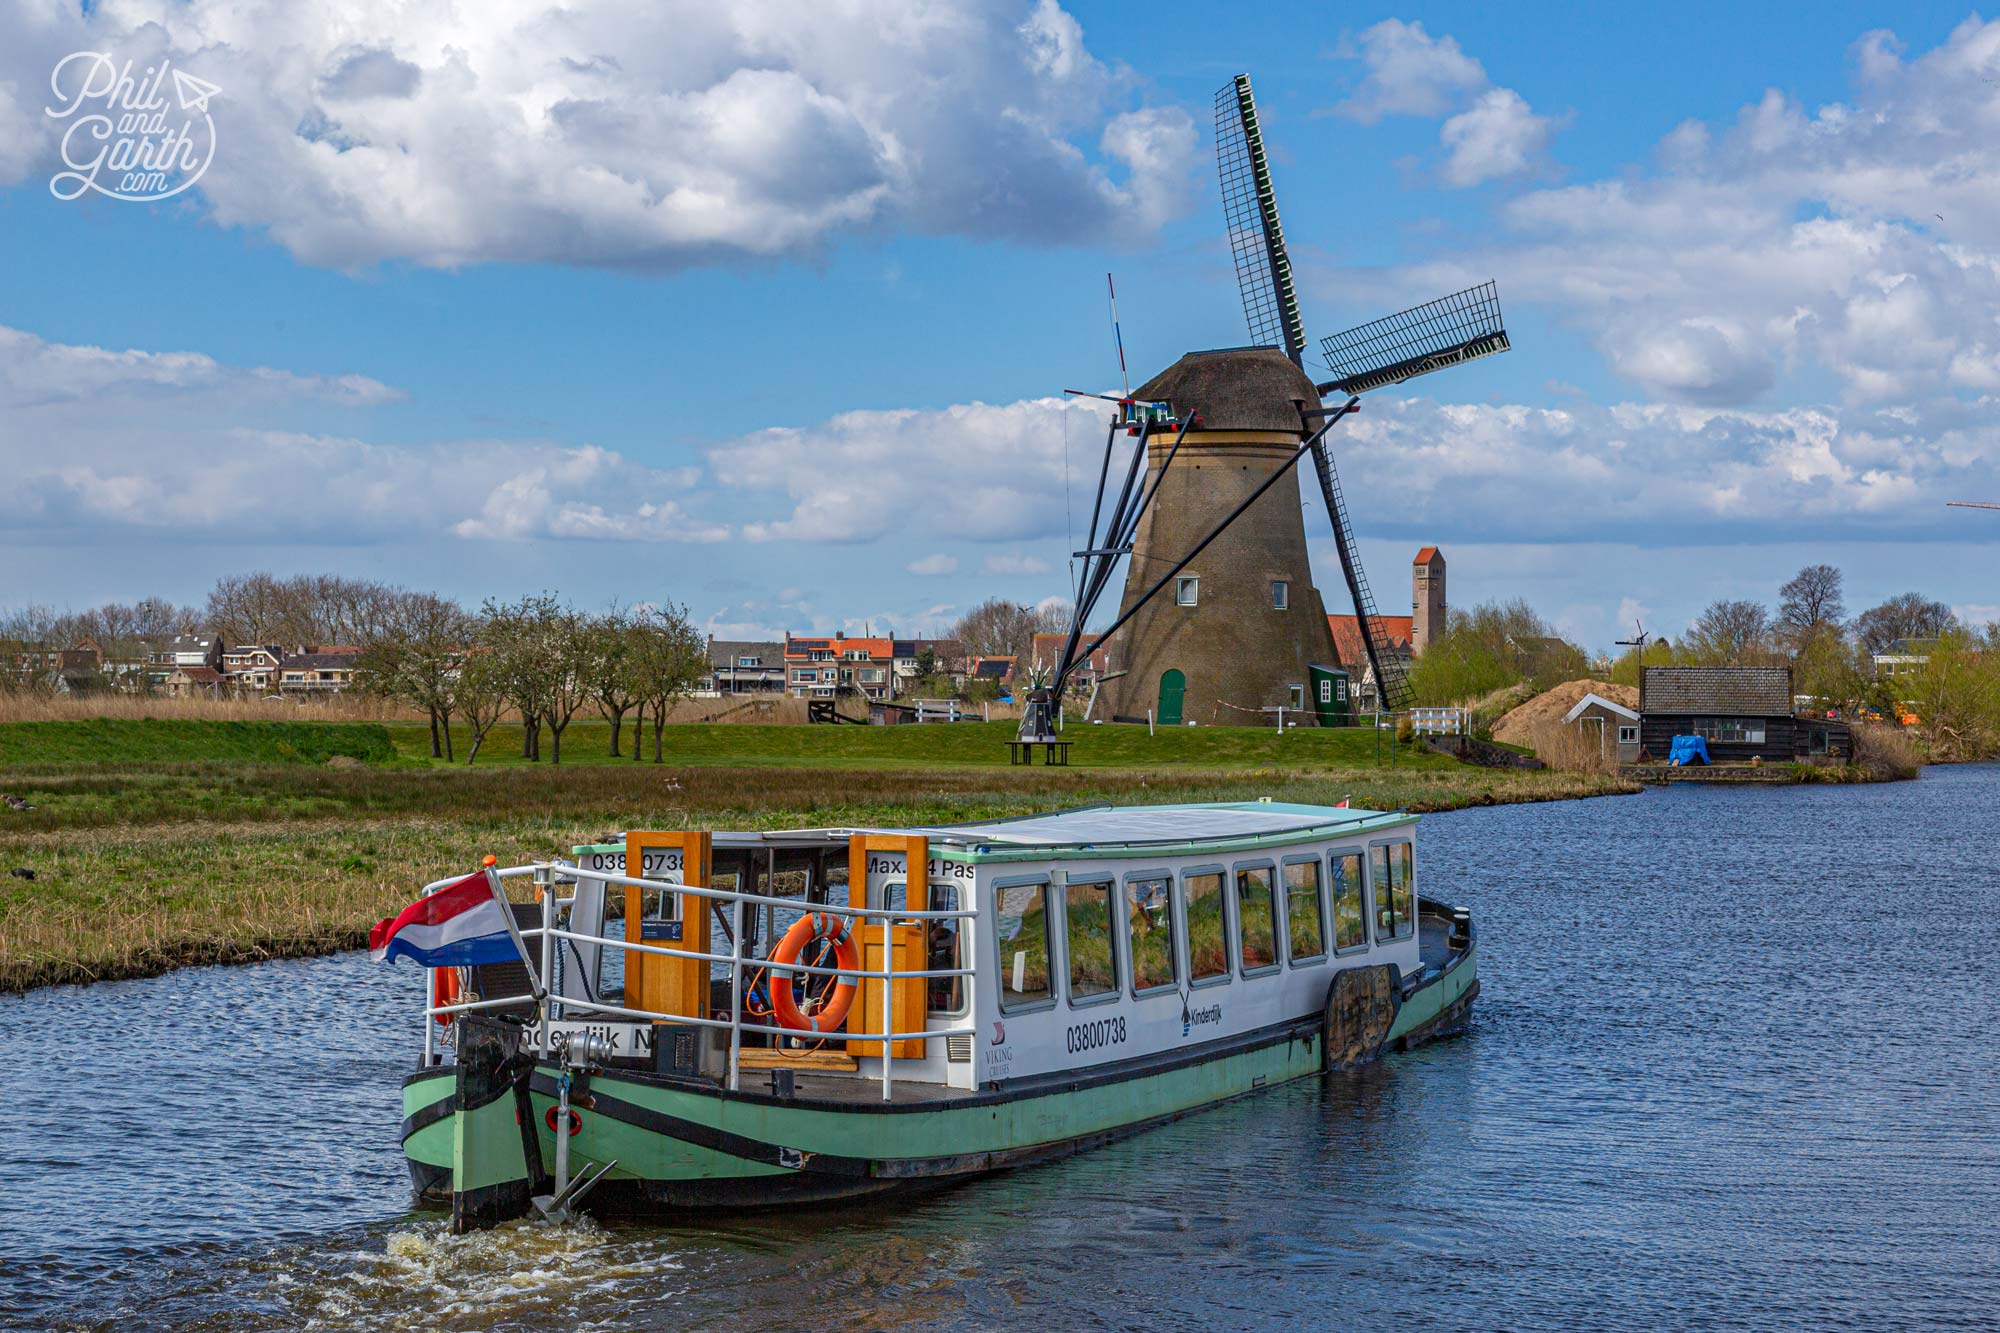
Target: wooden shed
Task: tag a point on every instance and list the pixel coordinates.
(1611, 724)
(1743, 713)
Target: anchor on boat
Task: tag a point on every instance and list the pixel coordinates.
(576, 1052)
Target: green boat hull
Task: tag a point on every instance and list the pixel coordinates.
(683, 1145)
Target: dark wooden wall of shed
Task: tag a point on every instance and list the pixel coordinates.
(1785, 739)
(1657, 732)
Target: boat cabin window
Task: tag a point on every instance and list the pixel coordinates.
(609, 984)
(1350, 914)
(1021, 929)
(1149, 923)
(1093, 953)
(946, 948)
(1256, 919)
(1304, 938)
(1395, 882)
(1207, 930)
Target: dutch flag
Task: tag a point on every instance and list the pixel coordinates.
(462, 925)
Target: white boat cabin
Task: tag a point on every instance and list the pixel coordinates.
(1083, 937)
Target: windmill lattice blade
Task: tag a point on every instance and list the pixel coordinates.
(1250, 210)
(1452, 329)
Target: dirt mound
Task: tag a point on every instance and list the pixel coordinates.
(1518, 726)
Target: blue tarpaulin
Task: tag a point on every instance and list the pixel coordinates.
(1688, 750)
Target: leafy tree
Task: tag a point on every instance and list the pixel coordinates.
(1457, 668)
(484, 694)
(1957, 695)
(608, 669)
(669, 656)
(1491, 646)
(1628, 669)
(415, 656)
(1910, 615)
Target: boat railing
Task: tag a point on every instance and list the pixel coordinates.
(553, 1008)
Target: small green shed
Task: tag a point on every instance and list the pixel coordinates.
(1331, 696)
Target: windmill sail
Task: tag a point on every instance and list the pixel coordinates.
(1433, 336)
(1256, 238)
(1271, 305)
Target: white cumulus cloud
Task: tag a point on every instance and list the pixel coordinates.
(1498, 135)
(96, 442)
(1409, 72)
(1856, 245)
(665, 135)
(1488, 133)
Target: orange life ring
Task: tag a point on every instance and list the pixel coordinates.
(814, 925)
(444, 991)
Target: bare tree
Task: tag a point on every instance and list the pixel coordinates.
(1729, 633)
(1809, 603)
(1000, 628)
(1910, 615)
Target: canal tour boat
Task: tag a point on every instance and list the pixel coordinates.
(820, 1014)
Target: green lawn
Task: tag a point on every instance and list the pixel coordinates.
(947, 745)
(179, 740)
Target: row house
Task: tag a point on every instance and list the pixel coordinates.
(1047, 653)
(737, 666)
(995, 668)
(318, 670)
(824, 667)
(253, 667)
(947, 656)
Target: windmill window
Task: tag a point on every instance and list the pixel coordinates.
(1281, 595)
(1187, 590)
(1298, 696)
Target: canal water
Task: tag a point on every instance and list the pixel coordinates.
(1734, 1067)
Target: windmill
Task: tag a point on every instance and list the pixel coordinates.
(1432, 336)
(1216, 432)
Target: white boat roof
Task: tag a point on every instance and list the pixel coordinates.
(1107, 830)
(1149, 823)
(1102, 829)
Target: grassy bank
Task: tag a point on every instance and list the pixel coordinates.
(958, 745)
(124, 741)
(148, 866)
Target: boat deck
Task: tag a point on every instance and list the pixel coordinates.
(855, 1090)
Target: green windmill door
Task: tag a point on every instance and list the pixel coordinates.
(1172, 686)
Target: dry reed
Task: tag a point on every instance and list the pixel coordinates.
(1573, 748)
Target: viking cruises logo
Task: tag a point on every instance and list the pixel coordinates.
(126, 137)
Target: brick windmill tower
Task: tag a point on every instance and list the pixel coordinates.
(1237, 629)
(1220, 619)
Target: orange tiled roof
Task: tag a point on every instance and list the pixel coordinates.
(1347, 637)
(1425, 556)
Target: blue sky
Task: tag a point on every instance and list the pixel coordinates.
(758, 309)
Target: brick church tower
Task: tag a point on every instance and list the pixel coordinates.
(1427, 605)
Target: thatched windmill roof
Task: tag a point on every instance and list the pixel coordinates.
(1237, 388)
